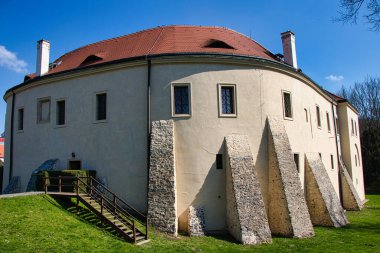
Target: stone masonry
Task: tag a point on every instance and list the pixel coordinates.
(162, 205)
(196, 221)
(246, 216)
(322, 200)
(287, 212)
(351, 200)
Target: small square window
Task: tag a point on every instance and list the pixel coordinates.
(287, 104)
(101, 106)
(181, 100)
(227, 100)
(43, 110)
(20, 125)
(318, 111)
(61, 110)
(297, 161)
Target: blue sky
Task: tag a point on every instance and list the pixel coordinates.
(330, 53)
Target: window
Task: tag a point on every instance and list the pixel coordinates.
(318, 116)
(352, 127)
(219, 161)
(356, 160)
(297, 161)
(101, 106)
(227, 100)
(328, 121)
(357, 153)
(287, 104)
(320, 155)
(332, 161)
(61, 110)
(181, 97)
(43, 110)
(306, 117)
(356, 129)
(20, 125)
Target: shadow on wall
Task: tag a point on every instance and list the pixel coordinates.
(261, 165)
(214, 207)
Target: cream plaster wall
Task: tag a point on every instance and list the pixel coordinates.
(349, 142)
(117, 148)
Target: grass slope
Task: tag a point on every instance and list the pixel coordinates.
(41, 224)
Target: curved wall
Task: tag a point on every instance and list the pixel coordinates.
(117, 148)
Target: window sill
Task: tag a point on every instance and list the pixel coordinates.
(287, 118)
(20, 131)
(60, 126)
(228, 116)
(100, 121)
(181, 116)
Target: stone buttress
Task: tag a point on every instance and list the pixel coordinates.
(287, 212)
(322, 200)
(246, 216)
(162, 204)
(350, 197)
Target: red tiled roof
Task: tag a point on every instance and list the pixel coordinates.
(161, 40)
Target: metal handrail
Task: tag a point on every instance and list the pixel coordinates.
(106, 202)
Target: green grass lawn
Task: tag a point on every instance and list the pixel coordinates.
(41, 224)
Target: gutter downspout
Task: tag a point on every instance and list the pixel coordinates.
(337, 155)
(11, 140)
(148, 113)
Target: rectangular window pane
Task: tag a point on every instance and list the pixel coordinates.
(181, 100)
(43, 111)
(61, 112)
(332, 162)
(227, 97)
(219, 161)
(318, 116)
(328, 121)
(20, 119)
(287, 105)
(101, 106)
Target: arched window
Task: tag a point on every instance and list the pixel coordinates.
(357, 153)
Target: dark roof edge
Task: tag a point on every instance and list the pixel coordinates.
(146, 57)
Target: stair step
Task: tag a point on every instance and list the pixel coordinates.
(142, 242)
(140, 237)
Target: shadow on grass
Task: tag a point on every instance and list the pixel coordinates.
(83, 214)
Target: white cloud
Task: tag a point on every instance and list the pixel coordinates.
(9, 60)
(334, 78)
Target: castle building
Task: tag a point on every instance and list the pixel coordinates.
(201, 127)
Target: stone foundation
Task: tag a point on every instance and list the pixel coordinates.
(162, 205)
(322, 200)
(350, 197)
(246, 216)
(196, 221)
(287, 212)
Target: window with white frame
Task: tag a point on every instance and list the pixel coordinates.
(287, 104)
(318, 111)
(43, 110)
(227, 100)
(60, 112)
(181, 100)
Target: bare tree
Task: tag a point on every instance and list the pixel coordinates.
(349, 11)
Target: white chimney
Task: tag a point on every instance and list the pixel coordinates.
(43, 54)
(289, 47)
